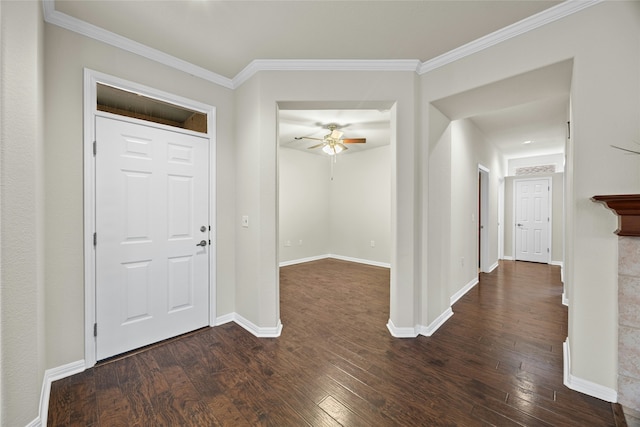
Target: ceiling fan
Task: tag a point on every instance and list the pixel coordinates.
(332, 143)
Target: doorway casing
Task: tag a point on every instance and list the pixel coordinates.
(483, 214)
(351, 105)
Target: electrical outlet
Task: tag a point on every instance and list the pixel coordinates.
(300, 242)
(373, 243)
(245, 221)
(287, 243)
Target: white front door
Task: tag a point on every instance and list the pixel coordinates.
(152, 210)
(532, 220)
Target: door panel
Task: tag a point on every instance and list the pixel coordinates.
(532, 220)
(151, 200)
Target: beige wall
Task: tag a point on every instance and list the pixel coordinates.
(22, 290)
(66, 56)
(452, 221)
(337, 213)
(470, 149)
(361, 206)
(436, 224)
(304, 204)
(247, 202)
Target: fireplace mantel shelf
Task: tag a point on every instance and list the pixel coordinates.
(627, 207)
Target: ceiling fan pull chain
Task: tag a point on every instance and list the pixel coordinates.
(332, 160)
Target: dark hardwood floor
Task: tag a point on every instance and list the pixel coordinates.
(497, 361)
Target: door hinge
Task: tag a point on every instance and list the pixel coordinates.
(95, 147)
(95, 329)
(547, 250)
(95, 239)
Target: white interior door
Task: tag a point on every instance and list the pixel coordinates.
(152, 210)
(532, 220)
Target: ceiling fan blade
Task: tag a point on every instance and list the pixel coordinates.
(354, 140)
(336, 134)
(298, 138)
(344, 147)
(315, 146)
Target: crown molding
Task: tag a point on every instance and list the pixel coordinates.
(325, 65)
(52, 16)
(566, 8)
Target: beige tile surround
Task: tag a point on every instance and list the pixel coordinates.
(629, 327)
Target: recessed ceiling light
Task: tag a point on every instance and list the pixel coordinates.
(527, 142)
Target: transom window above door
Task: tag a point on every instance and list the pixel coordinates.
(130, 104)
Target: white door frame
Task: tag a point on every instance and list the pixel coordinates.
(501, 218)
(91, 80)
(549, 213)
(483, 214)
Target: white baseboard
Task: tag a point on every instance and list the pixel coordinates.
(361, 261)
(561, 265)
(427, 331)
(334, 256)
(507, 258)
(254, 329)
(401, 332)
(565, 299)
(581, 385)
(226, 318)
(303, 260)
(493, 267)
(466, 288)
(258, 331)
(51, 375)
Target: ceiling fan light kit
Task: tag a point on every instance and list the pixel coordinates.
(333, 149)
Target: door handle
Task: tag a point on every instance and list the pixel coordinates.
(202, 243)
(519, 225)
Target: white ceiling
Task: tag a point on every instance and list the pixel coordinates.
(528, 107)
(225, 36)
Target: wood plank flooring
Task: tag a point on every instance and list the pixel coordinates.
(497, 361)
